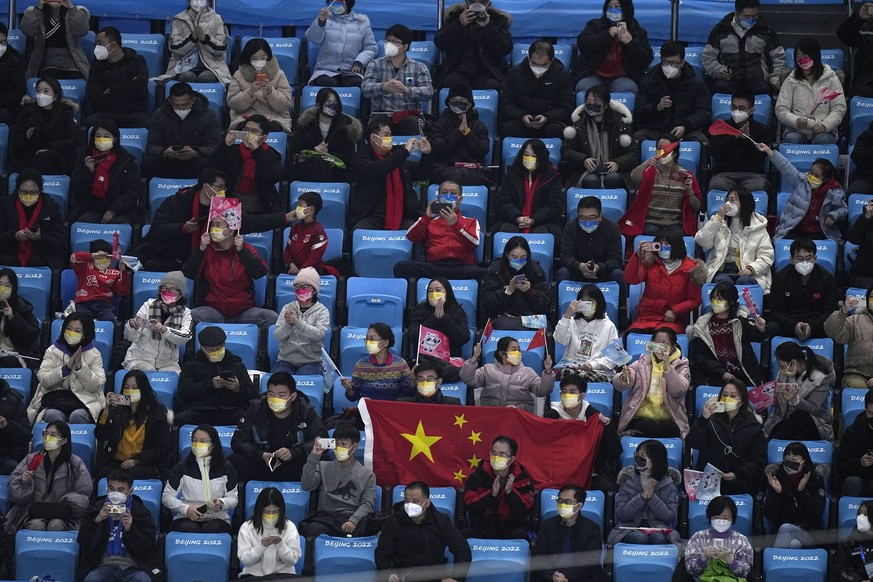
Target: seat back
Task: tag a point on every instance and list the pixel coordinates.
(148, 490)
(56, 186)
(225, 434)
(860, 116)
(498, 560)
(697, 520)
(795, 565)
(41, 553)
(756, 290)
(674, 450)
(350, 97)
(83, 443)
(474, 204)
(512, 147)
(542, 248)
(568, 290)
(334, 198)
(466, 293)
(150, 47)
(165, 385)
(190, 556)
(485, 102)
(852, 404)
(311, 386)
(530, 358)
(821, 452)
(613, 201)
(326, 295)
(35, 283)
(145, 287)
(375, 252)
(563, 52)
(857, 202)
(825, 254)
(847, 512)
(296, 499)
(162, 188)
(20, 380)
(104, 337)
(214, 93)
(371, 300)
(345, 557)
(600, 395)
(802, 157)
(634, 562)
(134, 140)
(721, 107)
(822, 346)
(444, 499)
(689, 154)
(353, 348)
(286, 51)
(594, 507)
(82, 233)
(715, 199)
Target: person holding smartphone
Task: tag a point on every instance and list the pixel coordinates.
(19, 329)
(259, 87)
(515, 286)
(855, 31)
(719, 542)
(268, 544)
(32, 232)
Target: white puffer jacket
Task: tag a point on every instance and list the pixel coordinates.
(86, 382)
(797, 99)
(148, 353)
(755, 247)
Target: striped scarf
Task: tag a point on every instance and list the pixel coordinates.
(169, 315)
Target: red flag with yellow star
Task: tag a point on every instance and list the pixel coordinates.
(442, 444)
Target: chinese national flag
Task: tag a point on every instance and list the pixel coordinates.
(720, 127)
(486, 333)
(442, 444)
(538, 340)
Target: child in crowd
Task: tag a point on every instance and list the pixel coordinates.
(307, 240)
(98, 283)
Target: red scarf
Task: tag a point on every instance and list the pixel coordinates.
(247, 180)
(195, 214)
(612, 66)
(396, 193)
(25, 247)
(530, 188)
(100, 186)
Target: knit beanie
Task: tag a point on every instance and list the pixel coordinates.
(176, 280)
(309, 276)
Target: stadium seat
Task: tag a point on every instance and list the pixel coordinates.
(73, 89)
(104, 332)
(847, 511)
(286, 51)
(145, 286)
(826, 253)
(242, 340)
(263, 243)
(795, 565)
(456, 390)
(563, 52)
(702, 394)
(41, 553)
(857, 202)
(350, 97)
(326, 296)
(4, 494)
(852, 404)
(443, 498)
(225, 434)
(850, 252)
(512, 146)
(819, 451)
(278, 140)
(68, 286)
(150, 47)
(345, 557)
(56, 186)
(82, 233)
(600, 395)
(375, 252)
(20, 380)
(296, 499)
(339, 400)
(689, 154)
(149, 490)
(627, 99)
(634, 293)
(503, 560)
(860, 116)
(165, 385)
(629, 446)
(4, 147)
(567, 291)
(191, 556)
(162, 188)
(821, 346)
(756, 290)
(532, 359)
(698, 521)
(353, 348)
(310, 385)
(485, 101)
(721, 108)
(613, 201)
(372, 300)
(17, 40)
(474, 204)
(334, 197)
(87, 42)
(542, 248)
(35, 283)
(334, 250)
(655, 563)
(214, 93)
(82, 435)
(594, 507)
(715, 200)
(802, 157)
(134, 140)
(466, 293)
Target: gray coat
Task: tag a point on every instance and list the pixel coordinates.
(662, 510)
(33, 25)
(795, 209)
(507, 385)
(812, 392)
(212, 51)
(342, 41)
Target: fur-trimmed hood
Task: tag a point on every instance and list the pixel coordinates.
(697, 273)
(27, 100)
(630, 470)
(821, 469)
(353, 126)
(458, 8)
(624, 140)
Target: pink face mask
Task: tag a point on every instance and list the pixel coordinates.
(805, 63)
(303, 294)
(168, 297)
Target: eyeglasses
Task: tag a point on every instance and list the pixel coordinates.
(29, 192)
(51, 434)
(394, 41)
(302, 286)
(499, 454)
(672, 62)
(740, 108)
(566, 501)
(373, 338)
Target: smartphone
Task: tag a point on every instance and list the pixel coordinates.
(621, 25)
(122, 400)
(583, 306)
(177, 148)
(226, 375)
(327, 444)
(261, 78)
(655, 247)
(237, 134)
(719, 407)
(718, 542)
(117, 509)
(437, 207)
(100, 157)
(203, 508)
(520, 279)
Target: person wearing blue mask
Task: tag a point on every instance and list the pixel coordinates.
(515, 286)
(345, 42)
(590, 246)
(743, 52)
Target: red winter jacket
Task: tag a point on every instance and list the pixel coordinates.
(444, 241)
(679, 292)
(633, 221)
(305, 248)
(224, 278)
(97, 285)
(504, 510)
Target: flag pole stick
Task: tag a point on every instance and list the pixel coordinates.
(418, 349)
(545, 343)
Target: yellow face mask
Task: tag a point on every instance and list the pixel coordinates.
(28, 199)
(277, 404)
(270, 519)
(215, 356)
(513, 357)
(200, 450)
(813, 181)
(426, 389)
(217, 234)
(434, 296)
(104, 144)
(730, 403)
(372, 347)
(73, 338)
(570, 400)
(102, 264)
(132, 393)
(529, 162)
(5, 291)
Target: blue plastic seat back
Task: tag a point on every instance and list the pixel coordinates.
(353, 348)
(831, 57)
(756, 290)
(148, 490)
(145, 287)
(689, 154)
(134, 140)
(819, 451)
(613, 201)
(73, 89)
(278, 140)
(353, 557)
(371, 300)
(375, 252)
(41, 553)
(721, 108)
(17, 40)
(803, 155)
(149, 46)
(456, 389)
(568, 290)
(20, 380)
(530, 358)
(310, 385)
(698, 521)
(225, 434)
(857, 202)
(214, 93)
(4, 146)
(82, 435)
(350, 97)
(162, 188)
(795, 565)
(444, 499)
(242, 340)
(635, 344)
(423, 51)
(196, 556)
(632, 563)
(263, 243)
(542, 248)
(474, 204)
(860, 116)
(326, 296)
(674, 450)
(503, 560)
(847, 512)
(286, 51)
(822, 346)
(4, 494)
(702, 395)
(334, 197)
(165, 385)
(852, 401)
(35, 283)
(594, 507)
(466, 293)
(296, 499)
(715, 199)
(82, 233)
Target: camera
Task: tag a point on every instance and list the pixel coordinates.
(116, 510)
(327, 444)
(480, 10)
(655, 247)
(122, 400)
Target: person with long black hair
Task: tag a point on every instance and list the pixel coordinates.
(132, 431)
(586, 331)
(440, 311)
(19, 329)
(795, 498)
(268, 545)
(323, 146)
(50, 488)
(515, 285)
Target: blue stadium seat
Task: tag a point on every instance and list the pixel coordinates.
(326, 296)
(594, 507)
(634, 293)
(311, 386)
(532, 359)
(374, 252)
(339, 400)
(852, 404)
(715, 200)
(629, 446)
(653, 563)
(372, 300)
(542, 248)
(225, 434)
(242, 340)
(721, 107)
(795, 565)
(73, 89)
(485, 102)
(152, 90)
(826, 253)
(286, 51)
(192, 556)
(612, 200)
(756, 290)
(353, 348)
(4, 494)
(702, 394)
(104, 337)
(4, 146)
(345, 557)
(149, 490)
(474, 204)
(35, 283)
(263, 243)
(88, 42)
(423, 51)
(860, 116)
(40, 553)
(600, 395)
(512, 146)
(857, 202)
(847, 511)
(831, 57)
(850, 252)
(334, 197)
(56, 186)
(149, 46)
(563, 52)
(134, 140)
(503, 560)
(334, 250)
(350, 97)
(819, 451)
(698, 521)
(84, 445)
(18, 41)
(466, 292)
(689, 154)
(296, 499)
(443, 498)
(802, 156)
(165, 385)
(162, 188)
(214, 93)
(20, 380)
(821, 346)
(82, 233)
(456, 390)
(145, 286)
(68, 286)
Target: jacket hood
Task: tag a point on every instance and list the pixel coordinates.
(458, 8)
(27, 100)
(249, 73)
(629, 471)
(353, 127)
(624, 140)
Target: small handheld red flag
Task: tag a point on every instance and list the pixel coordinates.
(486, 333)
(35, 462)
(116, 249)
(721, 127)
(538, 341)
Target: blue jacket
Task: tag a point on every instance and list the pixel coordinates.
(795, 209)
(342, 41)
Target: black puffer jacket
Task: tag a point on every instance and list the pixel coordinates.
(692, 106)
(15, 436)
(268, 171)
(595, 41)
(155, 449)
(450, 145)
(200, 130)
(12, 83)
(548, 199)
(712, 436)
(371, 173)
(474, 49)
(122, 197)
(139, 540)
(254, 435)
(623, 149)
(524, 94)
(120, 87)
(51, 248)
(344, 133)
(195, 384)
(802, 508)
(55, 130)
(22, 328)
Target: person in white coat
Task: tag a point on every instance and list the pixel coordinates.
(161, 326)
(71, 376)
(741, 248)
(585, 330)
(345, 42)
(811, 104)
(268, 544)
(198, 46)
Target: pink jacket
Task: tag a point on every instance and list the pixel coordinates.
(675, 382)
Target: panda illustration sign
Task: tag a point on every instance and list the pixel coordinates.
(435, 344)
(230, 209)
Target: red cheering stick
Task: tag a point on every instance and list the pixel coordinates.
(750, 303)
(116, 252)
(35, 462)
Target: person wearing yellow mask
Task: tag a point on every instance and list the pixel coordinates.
(508, 382)
(381, 375)
(202, 487)
(132, 432)
(215, 385)
(71, 376)
(576, 560)
(105, 186)
(276, 433)
(428, 380)
(440, 311)
(268, 543)
(499, 494)
(98, 283)
(34, 226)
(19, 329)
(728, 435)
(721, 348)
(307, 240)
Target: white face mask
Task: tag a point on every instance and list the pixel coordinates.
(101, 53)
(670, 71)
(863, 523)
(182, 113)
(116, 497)
(538, 71)
(44, 100)
(804, 268)
(413, 510)
(258, 64)
(739, 116)
(3, 48)
(198, 5)
(720, 525)
(391, 50)
(733, 209)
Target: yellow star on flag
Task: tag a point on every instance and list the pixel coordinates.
(459, 475)
(475, 437)
(460, 420)
(474, 461)
(421, 443)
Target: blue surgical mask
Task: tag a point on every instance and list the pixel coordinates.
(664, 253)
(613, 14)
(450, 198)
(748, 23)
(517, 264)
(589, 226)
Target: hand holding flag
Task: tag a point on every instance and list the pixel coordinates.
(721, 127)
(825, 97)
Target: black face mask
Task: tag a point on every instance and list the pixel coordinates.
(640, 462)
(792, 466)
